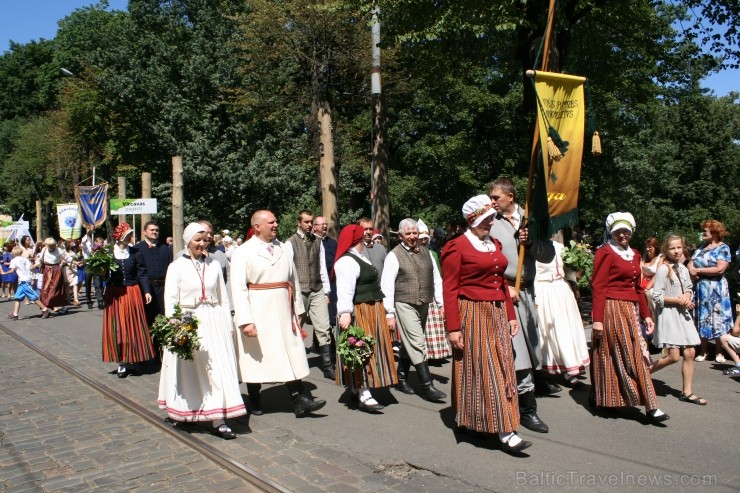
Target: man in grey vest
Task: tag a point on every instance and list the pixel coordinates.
(509, 228)
(410, 282)
(307, 252)
(374, 252)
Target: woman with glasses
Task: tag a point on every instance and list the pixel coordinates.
(620, 364)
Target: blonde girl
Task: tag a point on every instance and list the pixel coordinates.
(675, 331)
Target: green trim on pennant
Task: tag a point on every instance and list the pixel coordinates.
(567, 220)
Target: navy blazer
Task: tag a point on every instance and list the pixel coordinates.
(157, 259)
(131, 271)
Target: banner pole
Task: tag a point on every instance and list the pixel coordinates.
(535, 141)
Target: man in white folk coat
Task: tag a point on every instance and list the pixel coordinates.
(267, 304)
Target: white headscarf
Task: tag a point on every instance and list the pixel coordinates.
(192, 230)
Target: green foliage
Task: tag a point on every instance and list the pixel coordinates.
(101, 262)
(355, 347)
(579, 258)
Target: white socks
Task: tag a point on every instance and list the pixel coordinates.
(367, 398)
(511, 438)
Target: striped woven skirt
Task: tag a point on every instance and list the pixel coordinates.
(52, 293)
(435, 335)
(126, 336)
(380, 371)
(620, 366)
(484, 380)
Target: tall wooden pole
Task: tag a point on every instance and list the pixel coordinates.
(535, 141)
(122, 195)
(178, 217)
(326, 171)
(379, 165)
(146, 193)
(39, 220)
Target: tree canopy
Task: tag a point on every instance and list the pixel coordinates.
(234, 86)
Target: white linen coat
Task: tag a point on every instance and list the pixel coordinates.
(277, 354)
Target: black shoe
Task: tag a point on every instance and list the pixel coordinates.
(89, 306)
(327, 368)
(403, 386)
(428, 392)
(224, 432)
(123, 372)
(403, 373)
(657, 419)
(370, 408)
(528, 413)
(254, 400)
(303, 405)
(547, 388)
(100, 306)
(515, 449)
(63, 310)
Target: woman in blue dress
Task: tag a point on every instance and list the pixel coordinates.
(713, 306)
(10, 281)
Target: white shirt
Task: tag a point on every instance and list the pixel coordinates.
(22, 267)
(388, 282)
(288, 247)
(347, 271)
(51, 258)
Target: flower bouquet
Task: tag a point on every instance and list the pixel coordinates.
(100, 261)
(355, 347)
(579, 258)
(178, 333)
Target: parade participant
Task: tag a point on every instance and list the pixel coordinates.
(320, 229)
(229, 246)
(91, 280)
(675, 331)
(126, 338)
(207, 387)
(509, 228)
(157, 258)
(410, 282)
(713, 305)
(438, 348)
(620, 365)
(69, 250)
(10, 280)
(307, 252)
(563, 340)
(650, 262)
(52, 292)
(360, 303)
(267, 303)
(377, 237)
(28, 246)
(481, 321)
(374, 252)
(21, 267)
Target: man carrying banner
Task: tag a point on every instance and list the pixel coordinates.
(510, 229)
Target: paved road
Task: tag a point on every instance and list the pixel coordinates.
(411, 447)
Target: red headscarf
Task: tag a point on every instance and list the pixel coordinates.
(348, 237)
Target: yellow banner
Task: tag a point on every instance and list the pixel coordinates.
(562, 107)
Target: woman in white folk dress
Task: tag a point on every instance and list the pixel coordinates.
(206, 388)
(564, 347)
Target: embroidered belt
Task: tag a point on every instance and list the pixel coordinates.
(296, 324)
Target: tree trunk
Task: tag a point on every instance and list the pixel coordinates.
(177, 204)
(122, 195)
(381, 204)
(146, 193)
(327, 170)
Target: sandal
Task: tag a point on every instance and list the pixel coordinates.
(693, 399)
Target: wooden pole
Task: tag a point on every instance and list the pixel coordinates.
(39, 221)
(146, 193)
(327, 172)
(122, 195)
(178, 217)
(379, 194)
(535, 142)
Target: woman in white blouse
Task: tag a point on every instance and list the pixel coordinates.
(52, 294)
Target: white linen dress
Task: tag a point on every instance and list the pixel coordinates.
(564, 348)
(206, 388)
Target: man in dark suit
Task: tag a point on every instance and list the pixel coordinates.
(157, 257)
(320, 230)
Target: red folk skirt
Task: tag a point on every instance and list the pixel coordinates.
(52, 292)
(126, 337)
